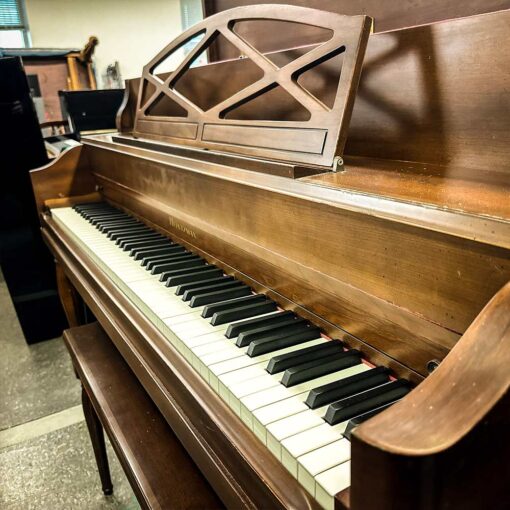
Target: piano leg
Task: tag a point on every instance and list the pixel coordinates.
(97, 438)
(70, 299)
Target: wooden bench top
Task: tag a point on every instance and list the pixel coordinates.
(159, 469)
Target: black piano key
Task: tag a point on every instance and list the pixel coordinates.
(243, 312)
(149, 236)
(151, 242)
(113, 213)
(120, 234)
(148, 262)
(263, 346)
(101, 223)
(292, 359)
(91, 206)
(272, 331)
(146, 232)
(210, 310)
(107, 216)
(127, 231)
(84, 210)
(366, 401)
(168, 259)
(133, 252)
(347, 387)
(98, 220)
(145, 255)
(211, 287)
(92, 210)
(358, 420)
(137, 236)
(175, 278)
(137, 231)
(318, 368)
(274, 319)
(192, 261)
(181, 289)
(219, 295)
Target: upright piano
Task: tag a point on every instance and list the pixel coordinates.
(319, 308)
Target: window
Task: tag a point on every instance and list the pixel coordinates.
(13, 26)
(191, 13)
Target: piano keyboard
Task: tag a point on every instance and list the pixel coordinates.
(300, 392)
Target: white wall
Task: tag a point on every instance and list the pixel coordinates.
(130, 31)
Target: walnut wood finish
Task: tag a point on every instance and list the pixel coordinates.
(387, 15)
(70, 299)
(401, 275)
(432, 99)
(472, 191)
(450, 107)
(396, 301)
(209, 431)
(96, 434)
(316, 140)
(159, 470)
(447, 444)
(67, 176)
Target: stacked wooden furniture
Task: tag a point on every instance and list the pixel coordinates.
(399, 246)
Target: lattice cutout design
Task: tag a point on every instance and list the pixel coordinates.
(312, 131)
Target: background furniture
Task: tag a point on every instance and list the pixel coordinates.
(26, 264)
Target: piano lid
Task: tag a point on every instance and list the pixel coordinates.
(171, 109)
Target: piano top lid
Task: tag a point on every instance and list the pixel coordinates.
(304, 129)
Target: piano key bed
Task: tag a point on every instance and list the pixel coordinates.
(300, 392)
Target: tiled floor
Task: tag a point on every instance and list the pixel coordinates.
(46, 460)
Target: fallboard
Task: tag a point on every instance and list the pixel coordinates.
(404, 291)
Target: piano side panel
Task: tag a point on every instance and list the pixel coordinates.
(445, 445)
(67, 176)
(408, 292)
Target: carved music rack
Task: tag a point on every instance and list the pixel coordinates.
(246, 115)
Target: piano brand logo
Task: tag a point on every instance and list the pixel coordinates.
(182, 228)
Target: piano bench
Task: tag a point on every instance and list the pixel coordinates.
(157, 466)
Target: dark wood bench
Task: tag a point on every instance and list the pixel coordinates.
(157, 466)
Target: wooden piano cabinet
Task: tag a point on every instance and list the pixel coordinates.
(400, 272)
(446, 445)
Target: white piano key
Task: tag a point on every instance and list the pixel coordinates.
(299, 444)
(330, 483)
(279, 393)
(312, 464)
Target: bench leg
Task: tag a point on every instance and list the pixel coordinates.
(97, 438)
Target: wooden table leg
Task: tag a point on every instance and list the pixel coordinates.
(97, 438)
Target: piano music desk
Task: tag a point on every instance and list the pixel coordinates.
(158, 468)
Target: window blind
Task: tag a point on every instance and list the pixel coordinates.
(10, 14)
(191, 12)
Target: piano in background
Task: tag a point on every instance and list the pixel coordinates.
(280, 243)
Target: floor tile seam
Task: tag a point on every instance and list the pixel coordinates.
(27, 428)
